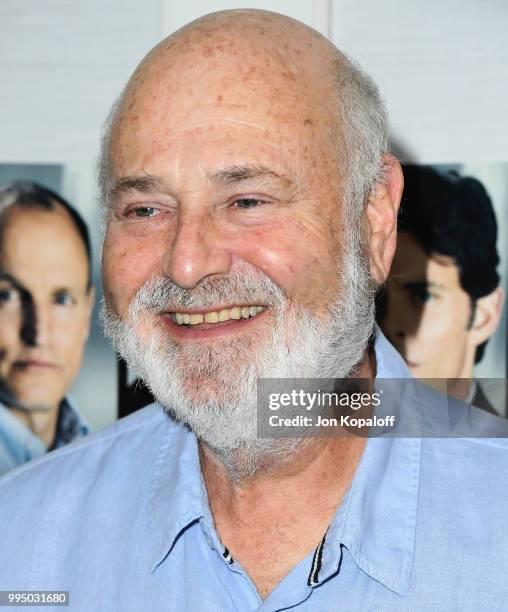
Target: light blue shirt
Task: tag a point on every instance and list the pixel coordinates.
(18, 444)
(122, 521)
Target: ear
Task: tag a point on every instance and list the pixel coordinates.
(381, 213)
(487, 315)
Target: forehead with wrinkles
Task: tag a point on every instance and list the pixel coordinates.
(243, 68)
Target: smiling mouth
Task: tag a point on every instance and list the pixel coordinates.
(214, 317)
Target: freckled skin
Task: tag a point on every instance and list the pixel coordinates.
(260, 109)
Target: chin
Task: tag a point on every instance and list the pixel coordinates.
(41, 406)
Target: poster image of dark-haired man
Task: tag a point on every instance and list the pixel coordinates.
(442, 301)
(46, 300)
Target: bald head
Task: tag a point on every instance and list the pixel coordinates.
(252, 68)
(261, 62)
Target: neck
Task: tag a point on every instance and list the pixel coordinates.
(276, 519)
(257, 518)
(42, 423)
(319, 472)
(460, 387)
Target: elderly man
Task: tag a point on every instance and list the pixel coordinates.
(46, 300)
(241, 245)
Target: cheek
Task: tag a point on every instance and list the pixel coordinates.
(297, 262)
(127, 263)
(69, 346)
(444, 330)
(9, 339)
(10, 347)
(435, 324)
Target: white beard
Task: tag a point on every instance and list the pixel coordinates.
(213, 388)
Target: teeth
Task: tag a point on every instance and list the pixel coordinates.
(224, 315)
(236, 313)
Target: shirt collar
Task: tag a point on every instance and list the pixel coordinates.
(70, 424)
(376, 521)
(176, 492)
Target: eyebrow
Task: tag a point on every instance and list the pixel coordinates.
(5, 276)
(148, 183)
(18, 286)
(423, 285)
(237, 174)
(145, 184)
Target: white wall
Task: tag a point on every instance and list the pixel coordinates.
(442, 68)
(62, 63)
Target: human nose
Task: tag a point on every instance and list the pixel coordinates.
(392, 316)
(400, 323)
(36, 324)
(407, 324)
(196, 251)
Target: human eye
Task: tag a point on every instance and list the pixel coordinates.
(142, 212)
(422, 295)
(6, 295)
(63, 298)
(9, 297)
(248, 202)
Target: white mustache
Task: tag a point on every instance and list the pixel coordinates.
(163, 295)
